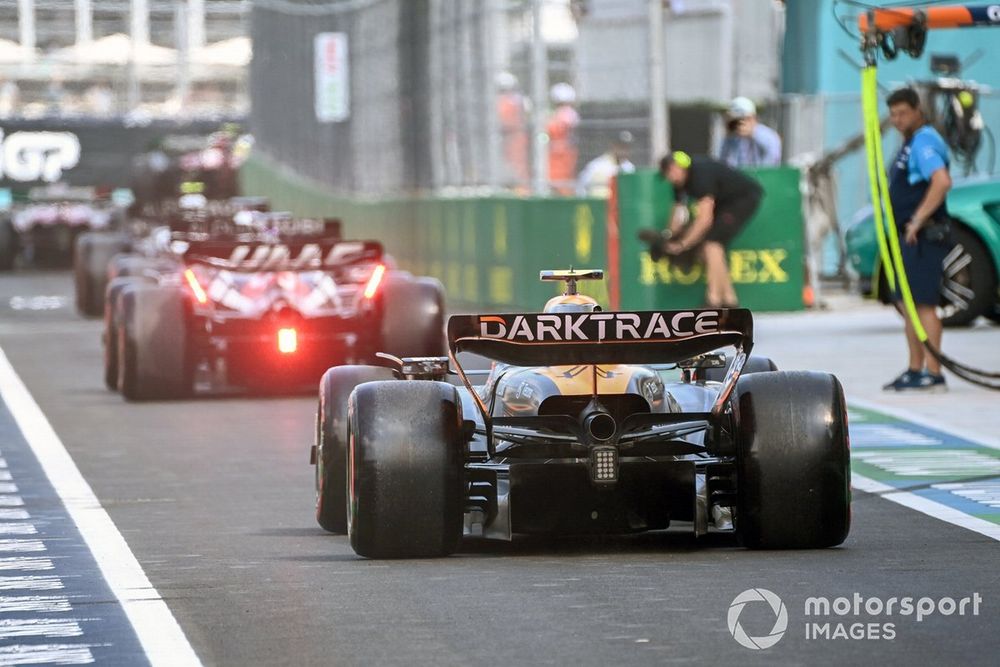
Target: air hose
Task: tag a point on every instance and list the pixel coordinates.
(888, 237)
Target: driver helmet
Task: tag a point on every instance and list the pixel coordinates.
(572, 303)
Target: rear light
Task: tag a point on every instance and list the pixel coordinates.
(196, 288)
(376, 279)
(288, 341)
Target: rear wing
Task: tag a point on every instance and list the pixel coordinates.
(244, 226)
(291, 254)
(61, 194)
(590, 338)
(559, 339)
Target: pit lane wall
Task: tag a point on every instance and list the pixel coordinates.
(487, 251)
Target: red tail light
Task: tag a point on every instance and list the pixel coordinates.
(196, 288)
(372, 287)
(288, 341)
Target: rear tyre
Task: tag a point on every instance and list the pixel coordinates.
(755, 364)
(112, 320)
(405, 467)
(969, 285)
(793, 461)
(413, 316)
(8, 244)
(91, 255)
(124, 265)
(154, 356)
(331, 441)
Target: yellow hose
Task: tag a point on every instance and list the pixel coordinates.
(892, 258)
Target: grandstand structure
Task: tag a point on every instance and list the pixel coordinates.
(143, 58)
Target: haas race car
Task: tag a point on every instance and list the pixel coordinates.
(268, 305)
(588, 422)
(101, 256)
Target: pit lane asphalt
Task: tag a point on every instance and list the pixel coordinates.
(214, 497)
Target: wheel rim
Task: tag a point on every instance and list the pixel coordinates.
(956, 285)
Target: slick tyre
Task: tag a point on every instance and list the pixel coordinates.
(8, 244)
(413, 316)
(793, 461)
(154, 356)
(112, 320)
(331, 441)
(405, 470)
(92, 253)
(124, 265)
(755, 364)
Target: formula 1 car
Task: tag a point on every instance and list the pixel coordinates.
(213, 160)
(44, 226)
(588, 422)
(268, 305)
(101, 256)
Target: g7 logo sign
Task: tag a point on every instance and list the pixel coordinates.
(38, 156)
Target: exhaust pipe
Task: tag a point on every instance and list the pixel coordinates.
(600, 426)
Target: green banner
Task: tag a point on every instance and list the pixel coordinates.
(488, 250)
(765, 259)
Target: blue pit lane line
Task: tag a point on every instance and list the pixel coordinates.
(935, 472)
(55, 607)
(71, 590)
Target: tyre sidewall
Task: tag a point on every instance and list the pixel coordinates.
(8, 243)
(112, 321)
(332, 437)
(154, 360)
(405, 469)
(412, 316)
(793, 462)
(92, 255)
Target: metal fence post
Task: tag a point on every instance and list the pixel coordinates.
(659, 120)
(539, 98)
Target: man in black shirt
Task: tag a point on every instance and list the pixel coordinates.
(723, 200)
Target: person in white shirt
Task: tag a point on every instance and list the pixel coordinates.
(595, 179)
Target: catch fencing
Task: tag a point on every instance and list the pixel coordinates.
(454, 96)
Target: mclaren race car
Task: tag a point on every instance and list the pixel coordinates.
(267, 305)
(588, 422)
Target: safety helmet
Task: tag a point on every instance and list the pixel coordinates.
(563, 93)
(506, 81)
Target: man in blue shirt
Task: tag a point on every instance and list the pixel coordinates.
(918, 185)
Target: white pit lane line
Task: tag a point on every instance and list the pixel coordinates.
(912, 500)
(926, 506)
(158, 632)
